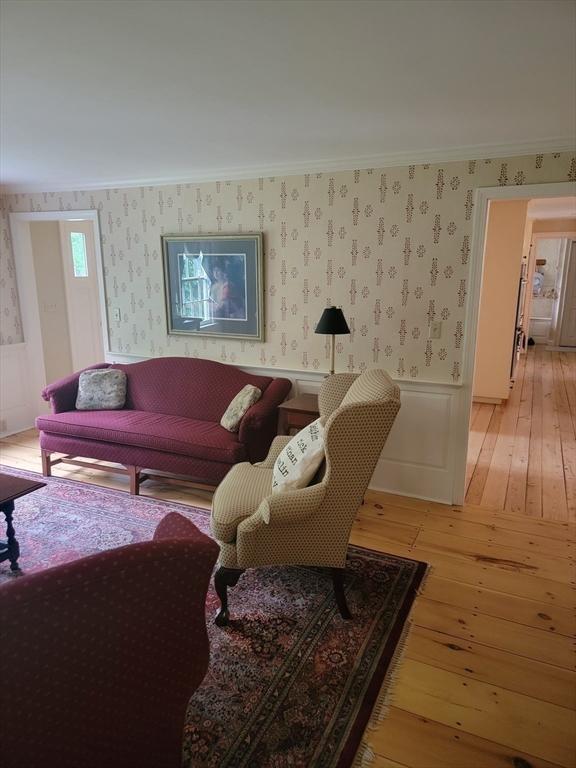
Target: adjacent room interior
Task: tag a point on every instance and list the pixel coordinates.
(520, 447)
(287, 383)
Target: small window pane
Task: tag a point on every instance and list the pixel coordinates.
(79, 259)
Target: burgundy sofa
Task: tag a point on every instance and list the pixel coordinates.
(100, 656)
(170, 422)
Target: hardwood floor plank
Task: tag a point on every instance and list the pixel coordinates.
(494, 533)
(568, 363)
(541, 616)
(480, 474)
(517, 721)
(492, 665)
(534, 483)
(479, 427)
(425, 743)
(504, 557)
(518, 639)
(554, 505)
(567, 437)
(516, 492)
(496, 486)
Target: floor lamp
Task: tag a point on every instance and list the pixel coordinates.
(332, 323)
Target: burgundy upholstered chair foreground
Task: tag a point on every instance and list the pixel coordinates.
(99, 657)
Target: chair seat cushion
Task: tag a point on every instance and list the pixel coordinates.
(237, 497)
(161, 432)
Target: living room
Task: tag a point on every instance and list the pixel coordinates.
(287, 197)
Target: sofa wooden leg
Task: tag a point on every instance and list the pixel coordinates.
(224, 578)
(134, 475)
(46, 463)
(339, 594)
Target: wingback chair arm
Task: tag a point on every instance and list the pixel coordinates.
(62, 394)
(274, 524)
(279, 442)
(291, 506)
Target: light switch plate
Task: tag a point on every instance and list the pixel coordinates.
(117, 314)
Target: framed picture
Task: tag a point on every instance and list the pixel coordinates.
(214, 285)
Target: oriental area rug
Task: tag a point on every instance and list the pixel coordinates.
(290, 684)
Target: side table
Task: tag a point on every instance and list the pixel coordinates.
(297, 413)
(12, 488)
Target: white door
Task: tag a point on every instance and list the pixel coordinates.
(82, 296)
(568, 326)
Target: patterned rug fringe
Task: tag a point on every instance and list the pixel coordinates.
(386, 696)
(365, 755)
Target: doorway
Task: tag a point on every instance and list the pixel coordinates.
(82, 293)
(521, 450)
(61, 287)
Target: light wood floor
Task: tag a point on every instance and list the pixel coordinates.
(488, 679)
(522, 455)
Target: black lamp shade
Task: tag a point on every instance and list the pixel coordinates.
(332, 322)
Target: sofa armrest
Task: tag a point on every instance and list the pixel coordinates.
(278, 444)
(258, 427)
(62, 394)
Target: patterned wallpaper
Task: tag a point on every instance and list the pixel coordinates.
(391, 246)
(10, 324)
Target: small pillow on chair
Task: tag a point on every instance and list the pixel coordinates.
(245, 399)
(101, 390)
(300, 459)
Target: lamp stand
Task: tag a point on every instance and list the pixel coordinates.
(332, 346)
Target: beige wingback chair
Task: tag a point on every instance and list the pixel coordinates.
(310, 526)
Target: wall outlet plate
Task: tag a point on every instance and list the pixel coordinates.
(435, 330)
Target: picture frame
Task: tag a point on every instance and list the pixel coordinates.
(214, 285)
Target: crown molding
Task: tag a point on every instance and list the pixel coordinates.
(296, 168)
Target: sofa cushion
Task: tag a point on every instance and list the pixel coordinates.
(174, 434)
(185, 386)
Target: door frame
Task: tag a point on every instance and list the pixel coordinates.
(562, 279)
(482, 198)
(28, 295)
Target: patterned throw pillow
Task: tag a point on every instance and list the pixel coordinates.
(299, 461)
(232, 417)
(101, 390)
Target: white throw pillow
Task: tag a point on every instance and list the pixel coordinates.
(233, 415)
(300, 459)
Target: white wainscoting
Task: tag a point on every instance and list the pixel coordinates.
(418, 459)
(16, 406)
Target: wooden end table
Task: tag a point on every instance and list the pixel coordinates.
(12, 488)
(297, 413)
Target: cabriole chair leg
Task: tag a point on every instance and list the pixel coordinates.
(339, 594)
(224, 578)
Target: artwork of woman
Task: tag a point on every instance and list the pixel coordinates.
(227, 298)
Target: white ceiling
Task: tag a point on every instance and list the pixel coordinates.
(97, 92)
(552, 208)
